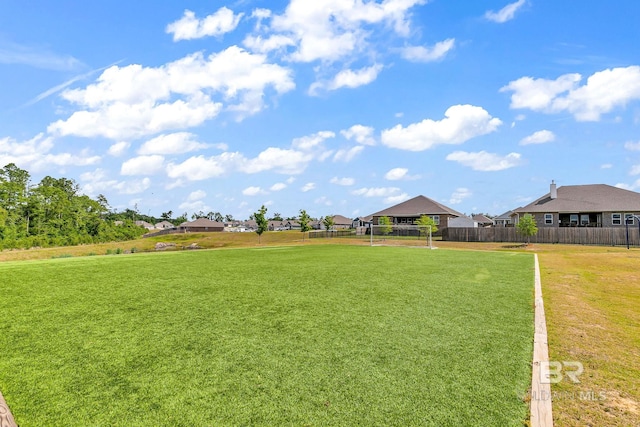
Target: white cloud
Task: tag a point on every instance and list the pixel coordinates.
(118, 149)
(539, 137)
(143, 165)
(397, 174)
(280, 160)
(361, 134)
(329, 31)
(377, 192)
(290, 161)
(392, 200)
(194, 202)
(632, 146)
(506, 13)
(198, 168)
(631, 187)
(428, 54)
(196, 195)
(278, 186)
(347, 154)
(253, 191)
(538, 94)
(267, 44)
(342, 181)
(189, 27)
(35, 154)
(461, 123)
(459, 195)
(485, 162)
(602, 92)
(135, 101)
(312, 141)
(324, 200)
(308, 187)
(348, 78)
(606, 166)
(173, 143)
(97, 182)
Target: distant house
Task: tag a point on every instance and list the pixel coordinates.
(316, 224)
(463, 221)
(163, 225)
(292, 225)
(408, 212)
(596, 205)
(146, 225)
(483, 220)
(341, 222)
(504, 220)
(276, 225)
(201, 225)
(362, 221)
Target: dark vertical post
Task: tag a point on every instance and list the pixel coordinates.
(626, 224)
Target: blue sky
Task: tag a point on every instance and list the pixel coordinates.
(334, 106)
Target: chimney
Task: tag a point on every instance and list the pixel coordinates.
(553, 190)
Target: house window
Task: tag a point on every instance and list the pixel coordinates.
(616, 219)
(573, 220)
(548, 219)
(628, 218)
(436, 219)
(584, 220)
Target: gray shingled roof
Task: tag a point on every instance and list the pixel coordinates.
(482, 219)
(586, 198)
(342, 220)
(419, 205)
(203, 222)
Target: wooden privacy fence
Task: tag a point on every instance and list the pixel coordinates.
(606, 236)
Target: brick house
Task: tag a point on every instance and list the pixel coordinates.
(595, 205)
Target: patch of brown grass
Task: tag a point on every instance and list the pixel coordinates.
(592, 304)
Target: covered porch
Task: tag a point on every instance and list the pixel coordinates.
(586, 219)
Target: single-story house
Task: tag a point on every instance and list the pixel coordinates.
(362, 221)
(276, 225)
(408, 212)
(504, 220)
(164, 225)
(292, 225)
(341, 222)
(595, 205)
(201, 225)
(146, 225)
(463, 221)
(483, 220)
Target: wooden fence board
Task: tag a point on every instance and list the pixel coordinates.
(608, 236)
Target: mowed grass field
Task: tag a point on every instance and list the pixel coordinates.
(301, 335)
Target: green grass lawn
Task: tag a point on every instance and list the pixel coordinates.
(316, 335)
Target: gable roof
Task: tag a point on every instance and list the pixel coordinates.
(164, 224)
(506, 215)
(341, 220)
(586, 198)
(482, 219)
(419, 205)
(203, 222)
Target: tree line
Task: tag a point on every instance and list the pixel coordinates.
(55, 213)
